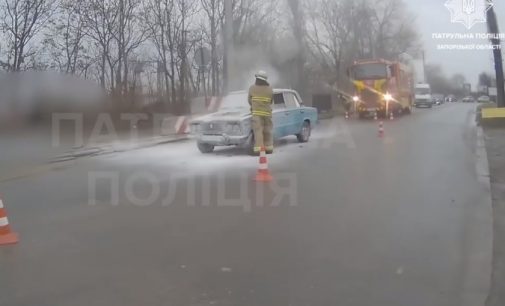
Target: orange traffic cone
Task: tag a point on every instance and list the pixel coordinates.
(381, 129)
(263, 174)
(391, 116)
(6, 235)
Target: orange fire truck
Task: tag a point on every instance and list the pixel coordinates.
(381, 87)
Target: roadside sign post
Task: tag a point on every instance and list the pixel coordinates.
(202, 59)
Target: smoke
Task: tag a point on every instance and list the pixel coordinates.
(275, 60)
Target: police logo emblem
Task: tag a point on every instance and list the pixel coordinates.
(468, 12)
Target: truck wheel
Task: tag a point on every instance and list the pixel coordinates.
(205, 148)
(305, 133)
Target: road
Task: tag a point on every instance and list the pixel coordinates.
(351, 219)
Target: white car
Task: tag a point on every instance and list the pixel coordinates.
(468, 99)
(484, 99)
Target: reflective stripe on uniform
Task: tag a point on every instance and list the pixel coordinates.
(269, 148)
(257, 149)
(261, 113)
(262, 99)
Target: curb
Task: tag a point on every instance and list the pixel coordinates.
(496, 296)
(483, 264)
(110, 148)
(71, 158)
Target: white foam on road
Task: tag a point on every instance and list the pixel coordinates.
(333, 132)
(185, 156)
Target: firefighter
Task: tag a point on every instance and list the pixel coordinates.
(261, 100)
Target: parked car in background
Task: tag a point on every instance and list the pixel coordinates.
(469, 99)
(450, 98)
(484, 99)
(438, 99)
(231, 124)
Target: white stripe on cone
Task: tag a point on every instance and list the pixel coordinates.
(4, 221)
(214, 104)
(263, 167)
(182, 125)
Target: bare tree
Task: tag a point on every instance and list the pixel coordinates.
(21, 21)
(343, 31)
(299, 32)
(331, 25)
(129, 35)
(214, 13)
(162, 23)
(101, 17)
(252, 21)
(393, 32)
(168, 26)
(65, 38)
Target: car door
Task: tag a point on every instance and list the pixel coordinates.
(294, 117)
(279, 116)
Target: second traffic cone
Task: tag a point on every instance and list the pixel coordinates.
(391, 116)
(346, 115)
(6, 235)
(263, 174)
(381, 129)
(375, 116)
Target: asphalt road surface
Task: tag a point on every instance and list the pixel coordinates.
(351, 219)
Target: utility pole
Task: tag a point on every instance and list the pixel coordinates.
(228, 50)
(492, 25)
(424, 68)
(183, 105)
(182, 102)
(202, 68)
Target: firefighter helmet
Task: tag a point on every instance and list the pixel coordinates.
(262, 75)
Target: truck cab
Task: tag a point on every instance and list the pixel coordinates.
(381, 87)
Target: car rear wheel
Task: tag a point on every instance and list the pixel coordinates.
(305, 133)
(205, 148)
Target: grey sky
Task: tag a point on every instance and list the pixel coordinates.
(434, 17)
